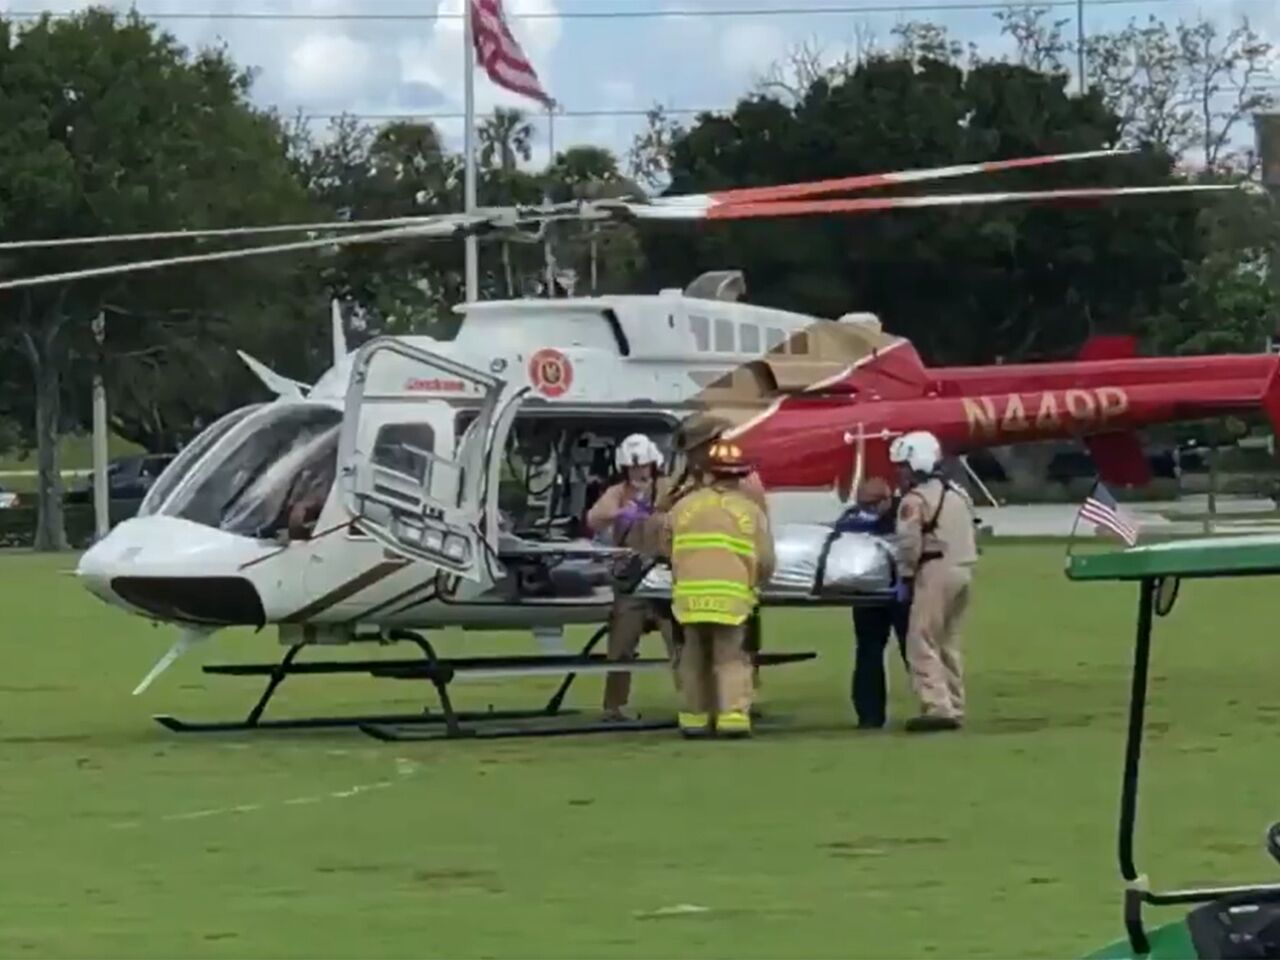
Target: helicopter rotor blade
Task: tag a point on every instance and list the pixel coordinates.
(211, 233)
(814, 188)
(785, 191)
(795, 208)
(444, 228)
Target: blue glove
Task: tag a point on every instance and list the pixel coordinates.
(636, 510)
(627, 518)
(902, 592)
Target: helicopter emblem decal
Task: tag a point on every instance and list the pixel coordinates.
(550, 372)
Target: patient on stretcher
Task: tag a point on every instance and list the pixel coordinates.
(813, 562)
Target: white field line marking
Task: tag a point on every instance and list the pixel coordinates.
(404, 768)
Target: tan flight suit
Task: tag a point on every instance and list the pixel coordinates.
(721, 551)
(630, 617)
(937, 550)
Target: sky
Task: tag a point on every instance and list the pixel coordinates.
(699, 54)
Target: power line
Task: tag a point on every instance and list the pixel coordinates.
(431, 115)
(640, 14)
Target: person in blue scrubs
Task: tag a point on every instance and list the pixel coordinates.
(875, 512)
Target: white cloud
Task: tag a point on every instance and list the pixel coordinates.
(324, 65)
(749, 47)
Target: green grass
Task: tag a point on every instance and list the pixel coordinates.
(120, 839)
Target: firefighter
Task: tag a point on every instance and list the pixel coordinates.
(694, 439)
(620, 508)
(937, 555)
(875, 513)
(721, 551)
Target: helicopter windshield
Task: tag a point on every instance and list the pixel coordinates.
(266, 464)
(188, 457)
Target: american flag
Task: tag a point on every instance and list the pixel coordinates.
(1100, 509)
(499, 53)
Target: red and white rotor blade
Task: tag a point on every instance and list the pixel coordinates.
(798, 208)
(450, 228)
(815, 188)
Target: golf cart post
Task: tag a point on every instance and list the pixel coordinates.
(1229, 921)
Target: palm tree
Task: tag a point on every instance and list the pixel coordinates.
(504, 137)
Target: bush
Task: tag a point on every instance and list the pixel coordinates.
(18, 524)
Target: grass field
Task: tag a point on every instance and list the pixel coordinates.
(120, 839)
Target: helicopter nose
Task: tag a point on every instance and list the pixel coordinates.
(174, 570)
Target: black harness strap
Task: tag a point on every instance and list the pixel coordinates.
(930, 525)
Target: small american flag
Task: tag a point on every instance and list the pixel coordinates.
(1100, 509)
(499, 53)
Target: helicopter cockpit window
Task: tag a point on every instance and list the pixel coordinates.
(775, 339)
(284, 457)
(188, 457)
(749, 335)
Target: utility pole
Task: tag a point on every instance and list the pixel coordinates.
(1080, 45)
(101, 495)
(1266, 127)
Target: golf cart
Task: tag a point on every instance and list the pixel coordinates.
(1226, 921)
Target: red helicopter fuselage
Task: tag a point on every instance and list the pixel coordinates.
(810, 439)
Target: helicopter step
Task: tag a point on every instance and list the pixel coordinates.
(440, 673)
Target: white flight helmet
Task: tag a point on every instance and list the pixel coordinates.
(919, 450)
(637, 451)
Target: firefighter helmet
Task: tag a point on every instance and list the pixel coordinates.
(725, 459)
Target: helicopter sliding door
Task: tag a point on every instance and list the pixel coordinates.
(408, 481)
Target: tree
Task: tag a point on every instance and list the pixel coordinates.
(1185, 87)
(107, 125)
(1228, 303)
(397, 170)
(965, 284)
(649, 158)
(611, 255)
(504, 138)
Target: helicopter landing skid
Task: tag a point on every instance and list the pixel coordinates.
(548, 722)
(440, 673)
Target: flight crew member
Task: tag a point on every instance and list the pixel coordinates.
(619, 509)
(721, 551)
(876, 513)
(937, 555)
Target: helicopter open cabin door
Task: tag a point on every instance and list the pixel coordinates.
(408, 479)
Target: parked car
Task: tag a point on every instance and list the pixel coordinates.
(8, 499)
(128, 478)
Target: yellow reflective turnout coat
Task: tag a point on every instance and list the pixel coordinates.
(721, 551)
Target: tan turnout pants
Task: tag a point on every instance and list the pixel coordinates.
(714, 669)
(938, 606)
(629, 619)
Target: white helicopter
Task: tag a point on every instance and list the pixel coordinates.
(404, 443)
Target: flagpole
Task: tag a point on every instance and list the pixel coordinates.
(468, 147)
(1071, 537)
(547, 257)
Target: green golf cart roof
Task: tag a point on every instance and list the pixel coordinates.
(1240, 556)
